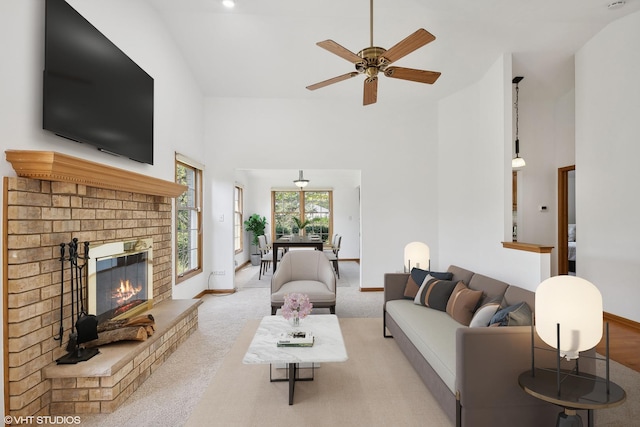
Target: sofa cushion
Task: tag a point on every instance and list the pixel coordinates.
(432, 332)
(462, 303)
(435, 293)
(315, 290)
(483, 315)
(515, 295)
(460, 273)
(514, 315)
(418, 277)
(493, 289)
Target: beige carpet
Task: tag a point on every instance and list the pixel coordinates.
(375, 387)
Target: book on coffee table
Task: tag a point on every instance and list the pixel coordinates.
(296, 339)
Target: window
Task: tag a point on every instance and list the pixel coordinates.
(313, 206)
(188, 219)
(238, 208)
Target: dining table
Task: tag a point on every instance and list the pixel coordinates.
(293, 241)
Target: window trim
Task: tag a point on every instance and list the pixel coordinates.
(241, 212)
(301, 204)
(199, 191)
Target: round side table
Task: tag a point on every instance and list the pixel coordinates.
(576, 392)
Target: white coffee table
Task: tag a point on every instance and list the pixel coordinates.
(328, 345)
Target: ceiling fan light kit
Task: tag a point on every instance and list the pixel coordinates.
(374, 60)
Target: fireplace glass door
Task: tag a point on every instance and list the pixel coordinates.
(121, 284)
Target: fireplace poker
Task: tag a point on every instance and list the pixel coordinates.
(59, 337)
(80, 273)
(86, 324)
(73, 337)
(84, 327)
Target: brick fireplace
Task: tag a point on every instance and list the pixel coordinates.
(54, 199)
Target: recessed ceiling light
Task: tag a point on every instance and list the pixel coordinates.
(228, 3)
(616, 5)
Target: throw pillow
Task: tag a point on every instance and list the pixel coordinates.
(418, 297)
(483, 315)
(514, 315)
(435, 293)
(462, 303)
(417, 278)
(411, 288)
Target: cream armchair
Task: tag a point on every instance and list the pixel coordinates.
(307, 272)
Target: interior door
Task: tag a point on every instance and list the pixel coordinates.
(564, 194)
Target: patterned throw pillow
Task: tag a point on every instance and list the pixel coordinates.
(417, 278)
(434, 293)
(514, 315)
(462, 303)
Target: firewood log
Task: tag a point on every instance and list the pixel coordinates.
(142, 320)
(130, 333)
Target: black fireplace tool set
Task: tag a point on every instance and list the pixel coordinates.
(84, 327)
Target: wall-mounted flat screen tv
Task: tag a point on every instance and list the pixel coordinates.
(93, 92)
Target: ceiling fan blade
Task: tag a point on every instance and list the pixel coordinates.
(420, 76)
(339, 50)
(333, 80)
(370, 95)
(408, 45)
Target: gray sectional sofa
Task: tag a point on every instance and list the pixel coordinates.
(471, 371)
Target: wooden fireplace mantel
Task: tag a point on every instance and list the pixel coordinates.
(52, 166)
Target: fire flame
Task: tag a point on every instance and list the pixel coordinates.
(125, 292)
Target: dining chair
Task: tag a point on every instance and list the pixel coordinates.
(328, 246)
(266, 255)
(332, 255)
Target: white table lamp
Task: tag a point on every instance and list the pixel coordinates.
(417, 254)
(568, 309)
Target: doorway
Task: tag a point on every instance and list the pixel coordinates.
(566, 216)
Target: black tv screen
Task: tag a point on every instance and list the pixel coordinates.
(93, 92)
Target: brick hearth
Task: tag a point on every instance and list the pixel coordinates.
(39, 215)
(106, 381)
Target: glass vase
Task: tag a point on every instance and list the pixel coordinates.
(295, 321)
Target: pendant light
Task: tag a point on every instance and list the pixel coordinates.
(301, 182)
(517, 162)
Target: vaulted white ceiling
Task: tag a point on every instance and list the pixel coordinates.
(266, 48)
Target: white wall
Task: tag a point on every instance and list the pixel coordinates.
(472, 163)
(607, 174)
(538, 179)
(391, 143)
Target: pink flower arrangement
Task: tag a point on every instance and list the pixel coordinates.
(296, 305)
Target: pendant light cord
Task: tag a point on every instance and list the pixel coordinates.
(517, 115)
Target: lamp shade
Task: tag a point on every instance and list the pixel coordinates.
(576, 305)
(518, 162)
(301, 182)
(417, 254)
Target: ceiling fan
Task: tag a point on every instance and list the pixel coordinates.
(373, 60)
